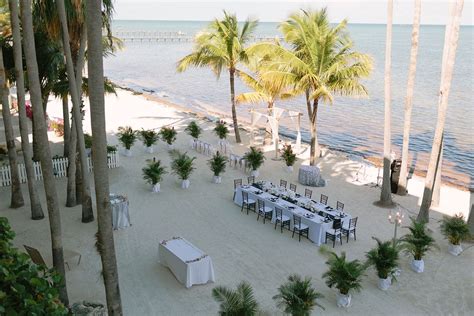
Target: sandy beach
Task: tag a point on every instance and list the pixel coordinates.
(241, 248)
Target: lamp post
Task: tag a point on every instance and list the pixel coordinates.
(395, 219)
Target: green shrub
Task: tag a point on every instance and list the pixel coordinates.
(217, 163)
(193, 129)
(239, 302)
(182, 165)
(384, 258)
(25, 288)
(255, 158)
(149, 137)
(127, 136)
(455, 229)
(111, 149)
(153, 173)
(288, 155)
(221, 130)
(168, 134)
(297, 297)
(418, 242)
(342, 274)
(88, 140)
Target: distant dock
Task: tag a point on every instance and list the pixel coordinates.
(171, 37)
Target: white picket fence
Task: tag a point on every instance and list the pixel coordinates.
(59, 168)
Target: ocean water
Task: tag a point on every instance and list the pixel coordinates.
(354, 125)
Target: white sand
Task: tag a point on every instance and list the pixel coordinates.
(241, 247)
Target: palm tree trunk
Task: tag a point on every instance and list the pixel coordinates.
(423, 215)
(87, 212)
(99, 147)
(232, 100)
(16, 194)
(470, 218)
(315, 151)
(71, 200)
(67, 125)
(35, 204)
(402, 182)
(385, 195)
(437, 184)
(45, 152)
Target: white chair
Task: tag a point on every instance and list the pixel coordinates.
(264, 211)
(350, 228)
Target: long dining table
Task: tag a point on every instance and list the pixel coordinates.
(318, 225)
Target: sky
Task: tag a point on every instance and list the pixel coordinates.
(357, 11)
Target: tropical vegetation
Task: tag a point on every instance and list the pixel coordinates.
(297, 297)
(193, 129)
(168, 134)
(238, 302)
(288, 155)
(218, 163)
(344, 275)
(127, 136)
(153, 172)
(384, 257)
(455, 228)
(418, 242)
(149, 137)
(221, 130)
(255, 158)
(182, 165)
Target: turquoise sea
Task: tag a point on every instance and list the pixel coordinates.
(351, 125)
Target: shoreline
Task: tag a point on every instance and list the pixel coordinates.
(244, 124)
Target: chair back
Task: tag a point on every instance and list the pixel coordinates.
(337, 224)
(308, 193)
(324, 199)
(251, 179)
(237, 183)
(353, 223)
(35, 255)
(297, 221)
(245, 196)
(278, 211)
(261, 205)
(293, 187)
(283, 183)
(339, 206)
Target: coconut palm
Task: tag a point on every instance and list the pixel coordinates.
(99, 146)
(222, 46)
(35, 204)
(239, 302)
(45, 152)
(297, 297)
(402, 182)
(445, 86)
(320, 63)
(385, 194)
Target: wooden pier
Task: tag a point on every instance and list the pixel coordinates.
(170, 37)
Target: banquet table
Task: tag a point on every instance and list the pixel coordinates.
(318, 225)
(120, 211)
(189, 264)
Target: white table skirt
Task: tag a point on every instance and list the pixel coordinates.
(317, 226)
(120, 211)
(189, 264)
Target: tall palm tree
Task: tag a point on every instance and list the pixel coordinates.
(321, 63)
(448, 68)
(45, 152)
(16, 200)
(220, 46)
(386, 195)
(35, 204)
(74, 89)
(99, 146)
(402, 182)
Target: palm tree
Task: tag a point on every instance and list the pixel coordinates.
(321, 63)
(99, 146)
(45, 152)
(448, 68)
(385, 195)
(220, 46)
(35, 204)
(402, 182)
(74, 89)
(297, 297)
(239, 302)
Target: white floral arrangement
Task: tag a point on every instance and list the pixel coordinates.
(291, 194)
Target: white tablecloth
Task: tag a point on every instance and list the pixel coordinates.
(189, 264)
(120, 212)
(317, 225)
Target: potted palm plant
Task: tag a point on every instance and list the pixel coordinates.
(153, 174)
(127, 137)
(455, 229)
(297, 297)
(384, 257)
(221, 130)
(217, 164)
(236, 302)
(417, 243)
(255, 159)
(345, 276)
(289, 157)
(182, 165)
(193, 130)
(168, 135)
(149, 138)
